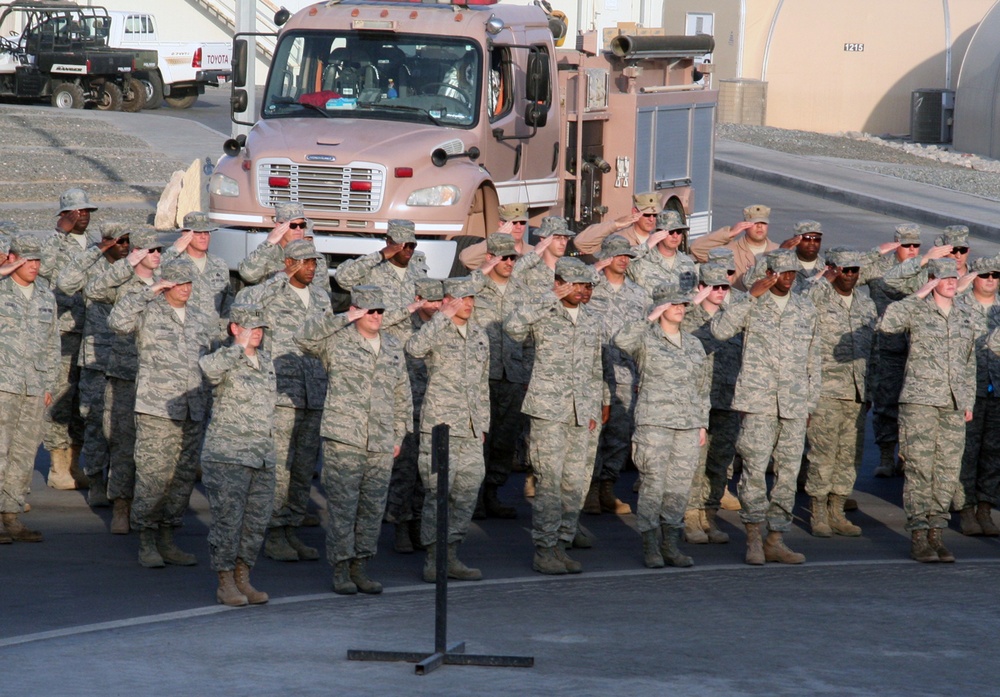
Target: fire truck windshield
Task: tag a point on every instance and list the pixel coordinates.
(424, 79)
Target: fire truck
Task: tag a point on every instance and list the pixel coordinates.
(437, 113)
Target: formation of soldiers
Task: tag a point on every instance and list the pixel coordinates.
(140, 369)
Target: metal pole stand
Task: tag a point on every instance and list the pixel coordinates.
(454, 654)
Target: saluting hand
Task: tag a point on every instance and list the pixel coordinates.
(243, 337)
(356, 313)
(738, 228)
(136, 256)
(791, 242)
(543, 244)
(161, 286)
(391, 249)
(628, 220)
(938, 252)
(450, 308)
(11, 266)
(67, 221)
(658, 312)
(183, 241)
(763, 285)
(926, 289)
(965, 281)
(656, 238)
(490, 263)
(506, 228)
(887, 247)
(277, 233)
(602, 264)
(563, 290)
(701, 295)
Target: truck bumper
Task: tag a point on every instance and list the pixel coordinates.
(213, 77)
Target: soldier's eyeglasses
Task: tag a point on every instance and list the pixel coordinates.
(731, 272)
(649, 215)
(410, 245)
(509, 257)
(990, 274)
(675, 232)
(518, 222)
(850, 269)
(721, 287)
(122, 240)
(959, 250)
(913, 245)
(811, 238)
(155, 250)
(375, 311)
(298, 226)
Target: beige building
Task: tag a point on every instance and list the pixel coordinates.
(829, 66)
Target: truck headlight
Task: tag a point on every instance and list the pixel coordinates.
(444, 195)
(221, 185)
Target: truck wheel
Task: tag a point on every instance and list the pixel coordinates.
(182, 98)
(134, 97)
(67, 95)
(154, 89)
(110, 97)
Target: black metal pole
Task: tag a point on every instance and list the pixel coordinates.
(439, 465)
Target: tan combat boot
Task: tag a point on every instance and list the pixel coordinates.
(609, 502)
(838, 521)
(16, 531)
(572, 565)
(430, 564)
(935, 542)
(495, 509)
(651, 556)
(693, 532)
(920, 550)
(401, 542)
(529, 486)
(776, 550)
(59, 476)
(242, 578)
(969, 523)
(342, 583)
(755, 547)
(120, 517)
(592, 504)
(729, 502)
(715, 536)
(985, 520)
(228, 593)
(546, 562)
(359, 576)
(149, 556)
(276, 546)
(168, 549)
(669, 549)
(305, 552)
(819, 523)
(458, 570)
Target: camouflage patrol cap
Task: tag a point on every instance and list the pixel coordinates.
(615, 246)
(429, 289)
(672, 293)
(247, 315)
(514, 212)
(401, 231)
(114, 231)
(722, 255)
(572, 270)
(179, 270)
(26, 246)
(670, 220)
(954, 235)
(9, 228)
(757, 214)
(908, 233)
(808, 227)
(713, 274)
(287, 211)
(986, 264)
(647, 203)
(844, 256)
(301, 249)
(781, 260)
(500, 245)
(144, 238)
(554, 225)
(460, 287)
(75, 200)
(942, 268)
(198, 221)
(367, 297)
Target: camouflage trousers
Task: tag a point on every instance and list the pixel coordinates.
(93, 386)
(64, 425)
(356, 482)
(836, 435)
(931, 441)
(563, 474)
(506, 426)
(616, 435)
(296, 444)
(465, 474)
(890, 370)
(239, 499)
(119, 430)
(716, 458)
(406, 491)
(980, 474)
(166, 463)
(761, 437)
(667, 459)
(22, 422)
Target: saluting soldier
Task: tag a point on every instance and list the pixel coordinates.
(514, 223)
(268, 258)
(636, 226)
(211, 291)
(660, 260)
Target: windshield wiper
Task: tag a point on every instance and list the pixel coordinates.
(289, 101)
(401, 107)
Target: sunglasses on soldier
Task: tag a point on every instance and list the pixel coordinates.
(298, 226)
(990, 274)
(910, 245)
(375, 311)
(959, 250)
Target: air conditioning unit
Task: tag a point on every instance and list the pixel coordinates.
(932, 113)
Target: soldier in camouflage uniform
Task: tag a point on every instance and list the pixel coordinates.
(29, 357)
(746, 249)
(617, 300)
(288, 298)
(238, 457)
(636, 226)
(660, 260)
(457, 354)
(171, 334)
(564, 404)
(806, 243)
(777, 388)
(290, 224)
(94, 352)
(138, 270)
(514, 224)
(671, 420)
(836, 431)
(534, 272)
(368, 410)
(211, 291)
(64, 434)
(936, 401)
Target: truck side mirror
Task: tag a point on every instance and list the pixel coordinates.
(240, 63)
(536, 115)
(238, 101)
(538, 84)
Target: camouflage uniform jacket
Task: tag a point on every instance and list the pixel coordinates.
(368, 400)
(114, 283)
(941, 366)
(724, 356)
(241, 428)
(57, 251)
(409, 323)
(566, 380)
(781, 367)
(651, 268)
(508, 358)
(674, 381)
(458, 371)
(268, 259)
(871, 275)
(616, 308)
(373, 269)
(984, 320)
(29, 340)
(211, 290)
(803, 277)
(301, 378)
(169, 382)
(531, 278)
(97, 338)
(847, 335)
(906, 277)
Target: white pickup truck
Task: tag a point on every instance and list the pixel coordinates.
(184, 67)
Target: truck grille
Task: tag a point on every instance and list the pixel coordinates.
(321, 187)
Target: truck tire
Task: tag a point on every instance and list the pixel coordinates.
(154, 89)
(67, 95)
(110, 97)
(182, 98)
(134, 97)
